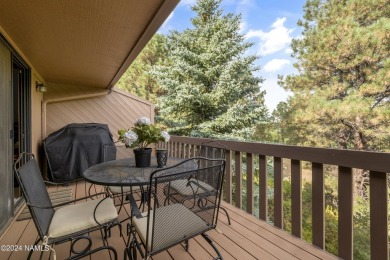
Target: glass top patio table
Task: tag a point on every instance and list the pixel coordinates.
(123, 172)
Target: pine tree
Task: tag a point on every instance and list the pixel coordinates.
(210, 86)
(342, 91)
(137, 79)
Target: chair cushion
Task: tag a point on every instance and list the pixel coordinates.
(174, 223)
(77, 217)
(126, 189)
(188, 190)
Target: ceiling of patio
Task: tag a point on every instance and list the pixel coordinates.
(86, 42)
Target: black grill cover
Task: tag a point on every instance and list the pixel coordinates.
(74, 148)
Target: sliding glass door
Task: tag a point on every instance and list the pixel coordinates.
(21, 95)
(15, 125)
(6, 135)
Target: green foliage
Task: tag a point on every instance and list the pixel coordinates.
(137, 79)
(361, 238)
(210, 89)
(342, 91)
(280, 127)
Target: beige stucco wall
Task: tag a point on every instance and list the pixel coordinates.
(36, 98)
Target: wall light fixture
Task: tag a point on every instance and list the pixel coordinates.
(41, 87)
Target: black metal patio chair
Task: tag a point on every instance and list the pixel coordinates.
(168, 222)
(211, 150)
(214, 150)
(68, 221)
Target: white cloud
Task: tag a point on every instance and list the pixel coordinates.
(278, 38)
(288, 51)
(274, 93)
(243, 26)
(275, 65)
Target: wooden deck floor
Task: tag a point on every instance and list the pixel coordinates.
(246, 238)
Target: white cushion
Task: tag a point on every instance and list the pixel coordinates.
(188, 188)
(126, 189)
(77, 217)
(173, 223)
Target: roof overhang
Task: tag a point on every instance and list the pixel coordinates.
(84, 42)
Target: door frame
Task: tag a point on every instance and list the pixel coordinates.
(15, 58)
(24, 106)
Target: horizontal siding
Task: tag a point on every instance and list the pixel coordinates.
(119, 110)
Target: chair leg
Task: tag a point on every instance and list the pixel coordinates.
(131, 251)
(186, 245)
(31, 250)
(208, 239)
(126, 253)
(122, 198)
(227, 214)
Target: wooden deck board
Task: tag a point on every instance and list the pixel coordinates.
(26, 240)
(205, 245)
(12, 237)
(278, 236)
(247, 238)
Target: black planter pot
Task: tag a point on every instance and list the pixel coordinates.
(142, 157)
(161, 156)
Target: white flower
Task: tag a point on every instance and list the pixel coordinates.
(166, 136)
(130, 137)
(142, 121)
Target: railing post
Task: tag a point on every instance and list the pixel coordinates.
(172, 149)
(228, 177)
(345, 224)
(194, 151)
(318, 208)
(176, 149)
(238, 179)
(180, 150)
(378, 215)
(188, 151)
(263, 203)
(170, 152)
(278, 192)
(296, 198)
(249, 183)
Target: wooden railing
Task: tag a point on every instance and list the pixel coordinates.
(378, 165)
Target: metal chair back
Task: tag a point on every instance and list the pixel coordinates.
(34, 191)
(191, 214)
(213, 150)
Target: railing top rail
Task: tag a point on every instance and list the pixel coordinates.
(373, 161)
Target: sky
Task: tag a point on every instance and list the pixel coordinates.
(269, 24)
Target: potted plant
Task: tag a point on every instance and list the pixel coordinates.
(140, 137)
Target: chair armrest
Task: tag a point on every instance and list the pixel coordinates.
(40, 206)
(67, 183)
(206, 191)
(64, 203)
(134, 207)
(83, 198)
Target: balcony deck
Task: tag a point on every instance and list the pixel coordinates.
(246, 238)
